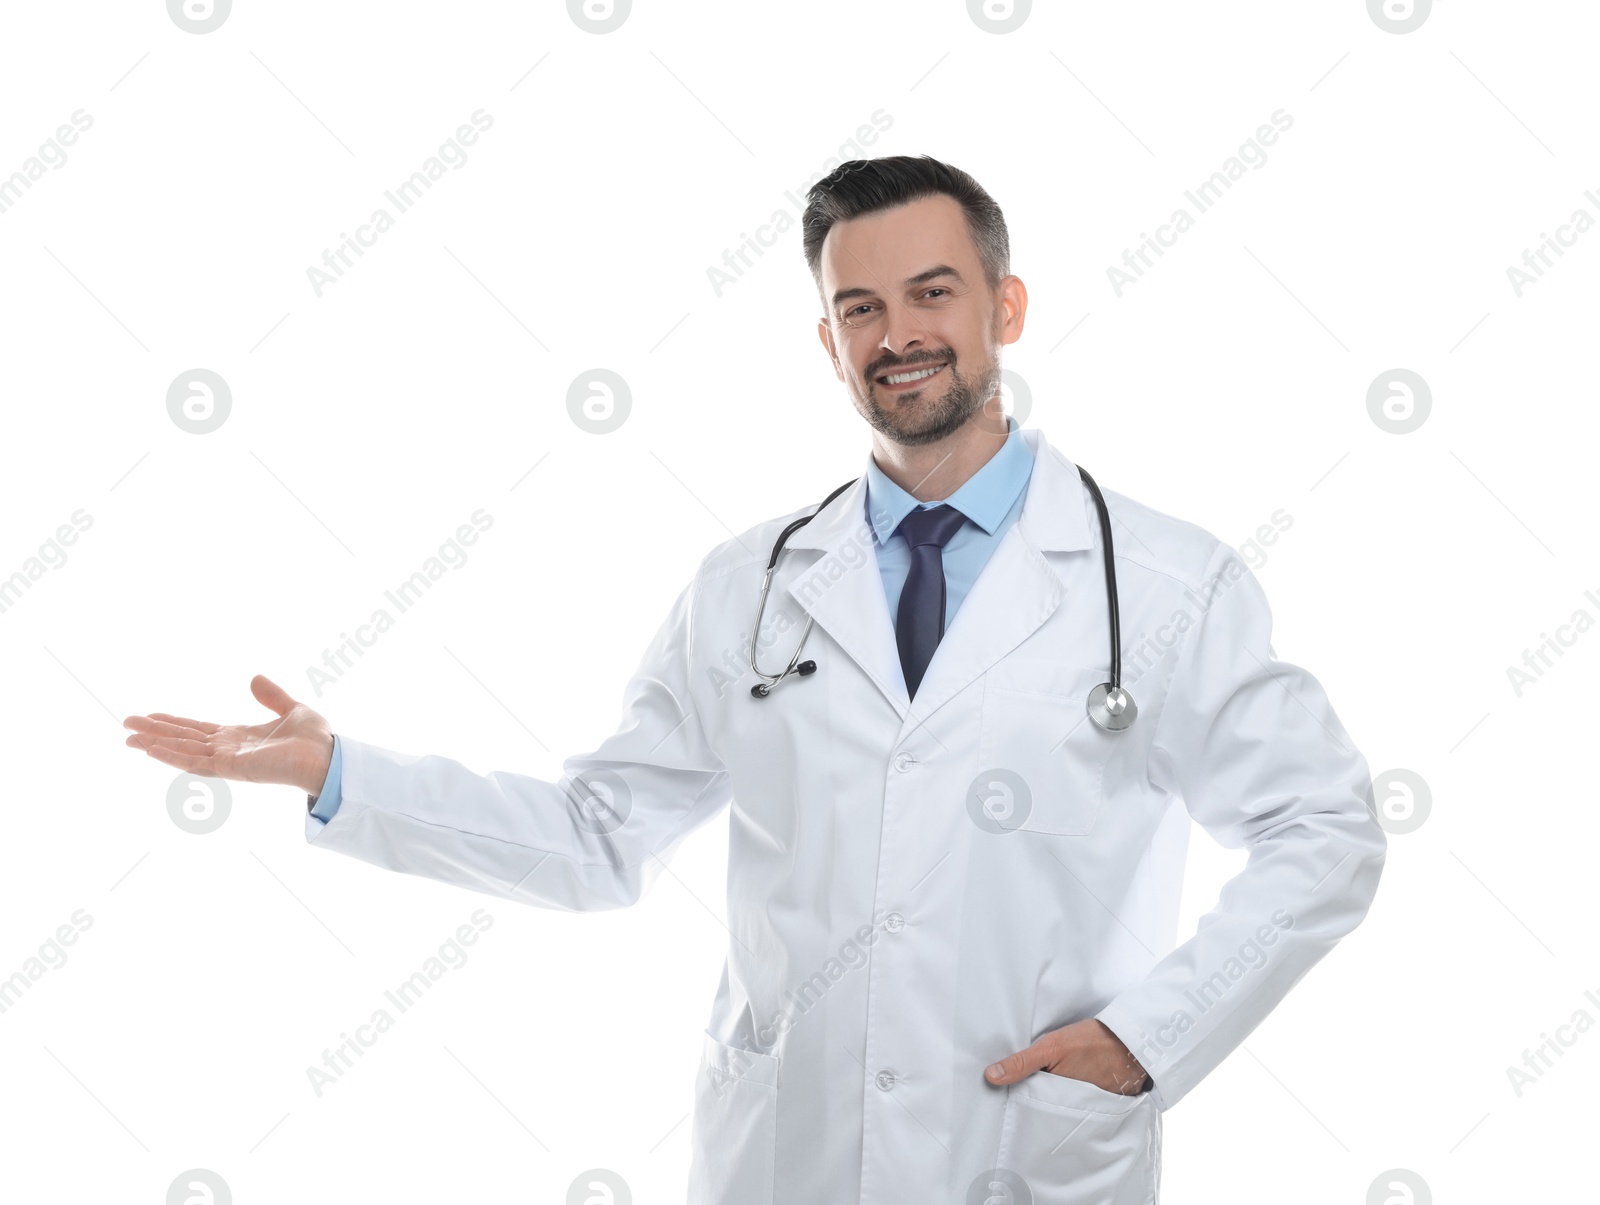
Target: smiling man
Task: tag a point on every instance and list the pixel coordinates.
(956, 843)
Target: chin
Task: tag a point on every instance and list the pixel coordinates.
(911, 436)
(909, 419)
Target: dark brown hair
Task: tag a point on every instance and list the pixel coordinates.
(868, 185)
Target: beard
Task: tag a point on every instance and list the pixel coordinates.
(920, 416)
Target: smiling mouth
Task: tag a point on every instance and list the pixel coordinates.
(910, 376)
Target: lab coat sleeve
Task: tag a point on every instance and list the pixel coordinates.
(595, 839)
(1253, 748)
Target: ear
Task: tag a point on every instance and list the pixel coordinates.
(825, 333)
(1011, 308)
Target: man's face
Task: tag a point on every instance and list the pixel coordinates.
(904, 293)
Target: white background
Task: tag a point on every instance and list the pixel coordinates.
(369, 422)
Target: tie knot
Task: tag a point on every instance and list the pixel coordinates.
(932, 525)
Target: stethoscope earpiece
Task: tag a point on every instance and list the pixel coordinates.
(762, 689)
(804, 668)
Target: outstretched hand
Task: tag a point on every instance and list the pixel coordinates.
(1085, 1050)
(293, 749)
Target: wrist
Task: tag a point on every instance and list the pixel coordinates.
(316, 771)
(1132, 1078)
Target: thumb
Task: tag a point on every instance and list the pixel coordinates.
(1017, 1066)
(269, 694)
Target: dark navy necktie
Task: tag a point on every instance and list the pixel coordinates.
(920, 622)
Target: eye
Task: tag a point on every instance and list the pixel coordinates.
(851, 313)
(936, 289)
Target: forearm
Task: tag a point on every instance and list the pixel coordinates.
(1301, 891)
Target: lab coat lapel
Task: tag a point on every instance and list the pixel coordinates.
(1017, 590)
(842, 590)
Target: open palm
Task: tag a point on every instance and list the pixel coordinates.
(293, 749)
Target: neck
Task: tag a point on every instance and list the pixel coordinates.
(932, 471)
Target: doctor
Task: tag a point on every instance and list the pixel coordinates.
(953, 972)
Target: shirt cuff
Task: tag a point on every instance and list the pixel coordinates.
(325, 803)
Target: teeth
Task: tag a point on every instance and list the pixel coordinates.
(901, 378)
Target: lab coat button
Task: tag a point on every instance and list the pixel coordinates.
(886, 1080)
(894, 922)
(904, 762)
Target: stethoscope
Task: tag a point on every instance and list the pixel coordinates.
(1109, 705)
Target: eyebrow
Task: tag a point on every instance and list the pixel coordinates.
(910, 282)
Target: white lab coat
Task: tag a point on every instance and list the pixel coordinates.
(918, 889)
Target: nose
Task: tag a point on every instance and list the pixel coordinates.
(904, 330)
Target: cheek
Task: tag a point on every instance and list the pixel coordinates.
(856, 353)
(970, 346)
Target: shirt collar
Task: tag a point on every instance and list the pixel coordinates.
(986, 497)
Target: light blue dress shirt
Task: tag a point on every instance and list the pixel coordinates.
(328, 797)
(991, 499)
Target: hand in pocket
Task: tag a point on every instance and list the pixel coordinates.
(1085, 1050)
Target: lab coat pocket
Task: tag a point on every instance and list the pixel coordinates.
(1045, 757)
(1076, 1144)
(735, 1128)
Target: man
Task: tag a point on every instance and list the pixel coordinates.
(952, 898)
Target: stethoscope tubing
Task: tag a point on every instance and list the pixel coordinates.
(763, 688)
(1113, 688)
(1111, 577)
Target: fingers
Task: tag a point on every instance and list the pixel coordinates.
(160, 724)
(172, 757)
(198, 725)
(270, 694)
(1016, 1066)
(172, 744)
(1050, 1049)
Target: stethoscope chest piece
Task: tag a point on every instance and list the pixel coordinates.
(1112, 708)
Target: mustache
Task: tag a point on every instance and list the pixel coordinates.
(877, 369)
